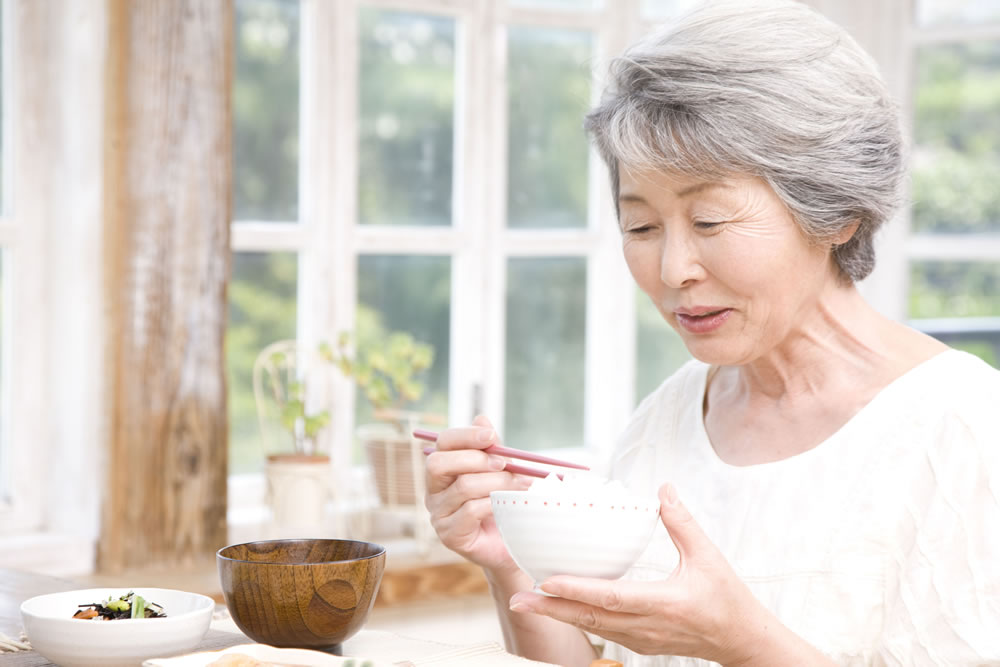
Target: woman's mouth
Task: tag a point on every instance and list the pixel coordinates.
(703, 322)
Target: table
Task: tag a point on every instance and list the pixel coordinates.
(16, 587)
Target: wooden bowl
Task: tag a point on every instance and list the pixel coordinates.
(301, 593)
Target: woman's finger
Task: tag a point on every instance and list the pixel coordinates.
(625, 596)
(463, 523)
(471, 486)
(479, 435)
(593, 619)
(444, 468)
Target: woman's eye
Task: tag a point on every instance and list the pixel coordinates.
(640, 229)
(705, 224)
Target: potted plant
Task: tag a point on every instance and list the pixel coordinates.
(386, 366)
(297, 478)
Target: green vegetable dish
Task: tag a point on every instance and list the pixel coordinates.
(129, 605)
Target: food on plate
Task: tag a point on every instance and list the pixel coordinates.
(129, 605)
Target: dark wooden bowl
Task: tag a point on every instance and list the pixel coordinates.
(301, 593)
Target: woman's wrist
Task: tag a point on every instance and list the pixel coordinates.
(767, 642)
(505, 581)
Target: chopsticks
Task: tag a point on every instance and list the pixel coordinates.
(510, 452)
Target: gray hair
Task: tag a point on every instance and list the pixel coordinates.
(765, 89)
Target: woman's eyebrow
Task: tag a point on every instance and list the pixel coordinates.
(629, 197)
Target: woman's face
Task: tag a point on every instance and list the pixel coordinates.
(723, 261)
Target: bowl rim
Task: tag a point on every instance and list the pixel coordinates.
(380, 551)
(205, 604)
(645, 505)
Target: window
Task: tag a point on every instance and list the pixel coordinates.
(421, 166)
(954, 250)
(266, 235)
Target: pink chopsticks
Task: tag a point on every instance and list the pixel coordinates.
(431, 436)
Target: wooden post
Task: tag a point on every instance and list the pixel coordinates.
(167, 191)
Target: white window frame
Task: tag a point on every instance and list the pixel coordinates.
(950, 247)
(479, 242)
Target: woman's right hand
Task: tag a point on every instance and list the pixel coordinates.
(460, 477)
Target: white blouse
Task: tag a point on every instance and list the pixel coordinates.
(880, 546)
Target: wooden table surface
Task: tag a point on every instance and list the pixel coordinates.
(16, 587)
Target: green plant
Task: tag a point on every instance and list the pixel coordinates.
(385, 366)
(290, 401)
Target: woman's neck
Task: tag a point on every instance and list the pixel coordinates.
(795, 397)
(842, 336)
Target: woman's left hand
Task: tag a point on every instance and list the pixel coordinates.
(702, 610)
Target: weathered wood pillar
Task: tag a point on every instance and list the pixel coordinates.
(167, 207)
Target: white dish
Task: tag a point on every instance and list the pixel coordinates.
(586, 536)
(57, 636)
(283, 656)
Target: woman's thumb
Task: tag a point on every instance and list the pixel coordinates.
(684, 531)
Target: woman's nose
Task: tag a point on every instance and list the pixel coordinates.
(680, 264)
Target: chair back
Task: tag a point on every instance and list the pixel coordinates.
(274, 371)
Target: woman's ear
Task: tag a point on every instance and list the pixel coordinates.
(846, 234)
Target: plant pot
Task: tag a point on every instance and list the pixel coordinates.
(298, 487)
(397, 464)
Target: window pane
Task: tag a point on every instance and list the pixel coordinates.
(407, 101)
(968, 12)
(659, 10)
(546, 321)
(954, 289)
(957, 290)
(956, 166)
(549, 93)
(659, 349)
(410, 294)
(557, 4)
(262, 310)
(266, 111)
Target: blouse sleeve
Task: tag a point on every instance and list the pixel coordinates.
(942, 606)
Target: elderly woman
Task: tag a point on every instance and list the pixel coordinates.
(829, 478)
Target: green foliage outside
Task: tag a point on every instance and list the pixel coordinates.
(546, 321)
(956, 180)
(955, 289)
(262, 310)
(549, 93)
(407, 99)
(956, 165)
(413, 295)
(266, 110)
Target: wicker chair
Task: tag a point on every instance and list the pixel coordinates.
(396, 460)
